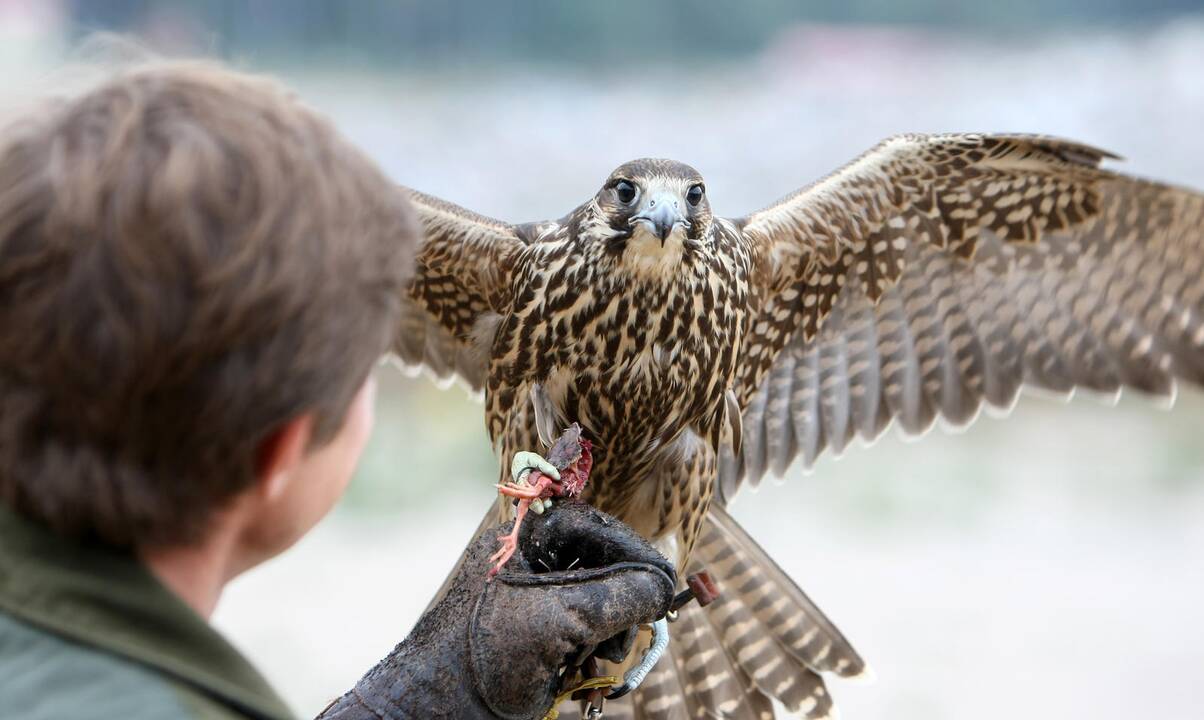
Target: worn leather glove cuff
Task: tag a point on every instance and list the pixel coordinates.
(494, 649)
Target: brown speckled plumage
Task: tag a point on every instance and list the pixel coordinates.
(931, 275)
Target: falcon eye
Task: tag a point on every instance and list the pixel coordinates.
(625, 191)
(694, 194)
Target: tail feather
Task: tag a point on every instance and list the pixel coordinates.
(762, 641)
(661, 697)
(697, 677)
(748, 575)
(777, 673)
(714, 683)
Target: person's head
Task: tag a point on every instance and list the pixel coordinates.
(197, 275)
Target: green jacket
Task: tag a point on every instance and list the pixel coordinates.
(88, 633)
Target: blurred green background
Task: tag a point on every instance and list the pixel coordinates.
(473, 33)
(1048, 565)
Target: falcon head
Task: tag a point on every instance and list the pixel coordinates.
(655, 205)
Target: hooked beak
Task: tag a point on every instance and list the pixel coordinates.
(662, 213)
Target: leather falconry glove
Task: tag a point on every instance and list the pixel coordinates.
(494, 649)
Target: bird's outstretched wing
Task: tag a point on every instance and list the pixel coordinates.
(462, 278)
(936, 273)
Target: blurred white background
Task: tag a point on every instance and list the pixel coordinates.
(1047, 565)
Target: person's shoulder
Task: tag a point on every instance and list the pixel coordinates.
(46, 677)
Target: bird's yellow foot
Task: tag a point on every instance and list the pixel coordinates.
(525, 462)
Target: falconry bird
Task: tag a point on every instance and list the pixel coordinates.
(930, 276)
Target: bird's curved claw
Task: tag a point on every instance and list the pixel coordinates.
(525, 461)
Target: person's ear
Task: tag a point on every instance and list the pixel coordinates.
(280, 453)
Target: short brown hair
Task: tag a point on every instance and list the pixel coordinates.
(189, 257)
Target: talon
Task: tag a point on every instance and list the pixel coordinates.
(524, 462)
